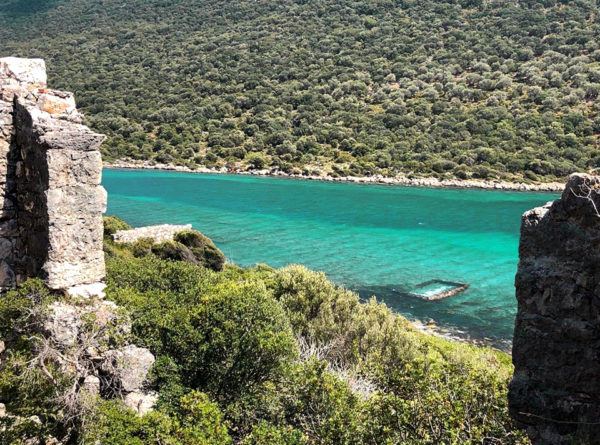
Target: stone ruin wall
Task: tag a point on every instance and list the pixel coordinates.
(158, 233)
(51, 206)
(50, 194)
(555, 392)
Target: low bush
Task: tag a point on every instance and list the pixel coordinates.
(203, 249)
(172, 250)
(112, 224)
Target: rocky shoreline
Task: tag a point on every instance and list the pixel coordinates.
(458, 335)
(377, 179)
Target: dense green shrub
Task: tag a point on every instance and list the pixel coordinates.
(224, 336)
(142, 247)
(262, 356)
(364, 375)
(203, 249)
(172, 250)
(321, 405)
(112, 224)
(114, 423)
(24, 389)
(198, 422)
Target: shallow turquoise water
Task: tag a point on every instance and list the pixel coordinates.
(376, 240)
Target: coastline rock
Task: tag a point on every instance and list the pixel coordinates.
(376, 179)
(555, 392)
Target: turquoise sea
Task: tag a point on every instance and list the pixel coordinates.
(376, 240)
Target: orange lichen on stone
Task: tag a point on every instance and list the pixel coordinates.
(55, 105)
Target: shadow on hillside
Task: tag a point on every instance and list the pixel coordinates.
(24, 8)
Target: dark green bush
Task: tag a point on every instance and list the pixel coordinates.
(225, 336)
(172, 250)
(321, 405)
(203, 249)
(142, 247)
(112, 224)
(198, 422)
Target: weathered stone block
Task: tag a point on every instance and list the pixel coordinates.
(57, 103)
(74, 242)
(94, 290)
(129, 366)
(72, 167)
(77, 138)
(29, 72)
(65, 202)
(62, 274)
(51, 200)
(158, 233)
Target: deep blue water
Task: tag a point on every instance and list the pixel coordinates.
(376, 240)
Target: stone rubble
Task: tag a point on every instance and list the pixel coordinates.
(159, 233)
(120, 371)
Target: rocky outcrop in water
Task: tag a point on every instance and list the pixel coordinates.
(555, 392)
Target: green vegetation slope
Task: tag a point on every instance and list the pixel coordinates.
(463, 88)
(258, 356)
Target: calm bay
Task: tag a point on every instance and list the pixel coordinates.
(376, 240)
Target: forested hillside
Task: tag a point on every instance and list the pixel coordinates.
(484, 89)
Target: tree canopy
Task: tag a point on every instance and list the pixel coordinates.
(461, 88)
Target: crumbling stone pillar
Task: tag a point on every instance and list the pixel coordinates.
(555, 392)
(51, 200)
